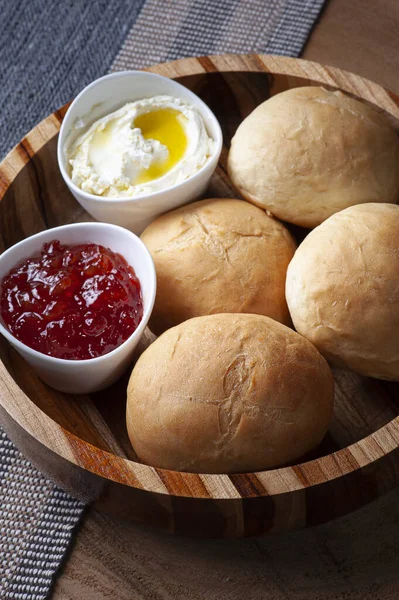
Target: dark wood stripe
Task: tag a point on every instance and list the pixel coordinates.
(183, 484)
(345, 459)
(247, 484)
(60, 113)
(25, 145)
(301, 476)
(258, 63)
(22, 153)
(57, 114)
(207, 64)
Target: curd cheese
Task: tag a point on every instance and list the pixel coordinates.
(145, 146)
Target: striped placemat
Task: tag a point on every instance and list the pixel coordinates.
(49, 51)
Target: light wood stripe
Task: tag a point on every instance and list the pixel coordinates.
(280, 481)
(219, 486)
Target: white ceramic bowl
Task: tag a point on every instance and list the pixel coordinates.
(85, 376)
(106, 95)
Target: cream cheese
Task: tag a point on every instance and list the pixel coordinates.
(116, 158)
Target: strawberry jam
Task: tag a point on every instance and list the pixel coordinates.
(74, 302)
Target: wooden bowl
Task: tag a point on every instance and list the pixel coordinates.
(81, 442)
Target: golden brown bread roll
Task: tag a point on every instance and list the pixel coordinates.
(218, 255)
(307, 153)
(343, 289)
(228, 393)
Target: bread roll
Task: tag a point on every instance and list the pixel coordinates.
(218, 255)
(343, 289)
(307, 153)
(228, 393)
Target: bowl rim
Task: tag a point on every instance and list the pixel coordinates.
(146, 312)
(209, 164)
(285, 480)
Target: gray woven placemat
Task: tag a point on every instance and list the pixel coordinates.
(36, 523)
(49, 51)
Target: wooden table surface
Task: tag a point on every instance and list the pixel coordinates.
(353, 558)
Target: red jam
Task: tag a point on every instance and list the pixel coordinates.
(74, 302)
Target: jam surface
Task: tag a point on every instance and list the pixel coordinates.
(73, 302)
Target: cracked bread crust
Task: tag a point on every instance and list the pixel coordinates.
(307, 153)
(218, 255)
(228, 393)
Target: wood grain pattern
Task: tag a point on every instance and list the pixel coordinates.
(112, 559)
(359, 36)
(86, 438)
